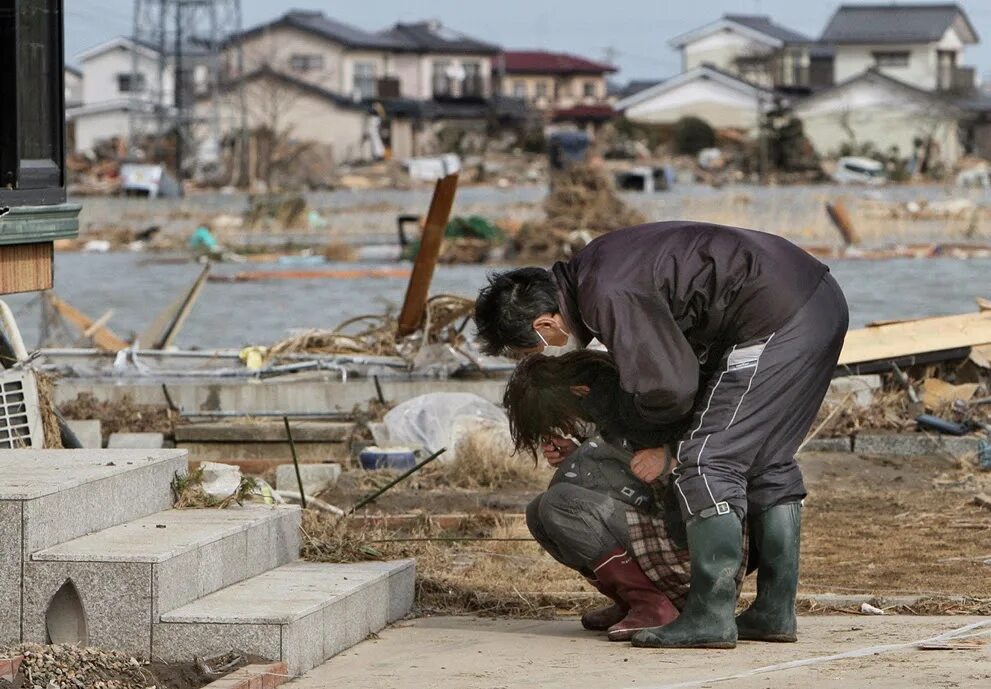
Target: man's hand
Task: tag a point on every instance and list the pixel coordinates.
(649, 465)
(556, 449)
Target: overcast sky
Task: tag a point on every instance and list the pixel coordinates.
(634, 33)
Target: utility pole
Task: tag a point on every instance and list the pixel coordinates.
(188, 38)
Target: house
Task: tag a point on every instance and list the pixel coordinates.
(718, 97)
(341, 86)
(564, 87)
(120, 85)
(753, 48)
(919, 45)
(421, 61)
(73, 86)
(874, 107)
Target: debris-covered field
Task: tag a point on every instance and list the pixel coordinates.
(873, 527)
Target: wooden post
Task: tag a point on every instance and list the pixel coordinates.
(841, 219)
(426, 258)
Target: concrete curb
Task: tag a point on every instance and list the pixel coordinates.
(897, 444)
(260, 676)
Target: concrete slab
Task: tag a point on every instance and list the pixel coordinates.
(256, 458)
(313, 610)
(829, 445)
(472, 653)
(89, 432)
(914, 444)
(315, 477)
(136, 441)
(265, 431)
(188, 553)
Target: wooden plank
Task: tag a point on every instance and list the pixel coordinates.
(418, 288)
(26, 267)
(102, 337)
(169, 322)
(916, 337)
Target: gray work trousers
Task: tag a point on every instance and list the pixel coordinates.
(753, 415)
(578, 527)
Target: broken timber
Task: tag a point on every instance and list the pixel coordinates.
(922, 341)
(169, 322)
(426, 258)
(102, 337)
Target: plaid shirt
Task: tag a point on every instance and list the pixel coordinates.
(662, 560)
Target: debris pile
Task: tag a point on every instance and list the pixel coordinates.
(582, 204)
(375, 335)
(66, 665)
(121, 416)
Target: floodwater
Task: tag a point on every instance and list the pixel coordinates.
(236, 314)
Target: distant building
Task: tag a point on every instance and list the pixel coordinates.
(720, 98)
(73, 87)
(751, 47)
(333, 84)
(920, 45)
(886, 112)
(564, 87)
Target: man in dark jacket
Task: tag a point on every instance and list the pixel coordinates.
(740, 330)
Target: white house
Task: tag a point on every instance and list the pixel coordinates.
(886, 112)
(751, 47)
(119, 78)
(73, 87)
(920, 45)
(719, 98)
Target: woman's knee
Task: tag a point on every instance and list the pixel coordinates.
(533, 516)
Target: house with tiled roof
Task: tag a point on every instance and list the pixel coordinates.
(563, 86)
(919, 44)
(752, 47)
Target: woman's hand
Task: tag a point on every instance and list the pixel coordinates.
(651, 464)
(556, 449)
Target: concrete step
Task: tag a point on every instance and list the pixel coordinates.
(128, 575)
(49, 497)
(301, 613)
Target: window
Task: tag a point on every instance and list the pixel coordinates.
(131, 83)
(307, 62)
(32, 111)
(589, 89)
(439, 79)
(519, 89)
(365, 75)
(542, 89)
(946, 61)
(891, 59)
(473, 86)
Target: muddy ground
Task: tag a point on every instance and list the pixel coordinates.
(872, 526)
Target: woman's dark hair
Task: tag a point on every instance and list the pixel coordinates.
(506, 308)
(538, 397)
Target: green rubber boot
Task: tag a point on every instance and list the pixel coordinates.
(715, 545)
(777, 532)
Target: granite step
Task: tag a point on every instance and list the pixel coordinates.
(301, 613)
(48, 497)
(130, 574)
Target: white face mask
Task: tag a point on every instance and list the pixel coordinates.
(572, 345)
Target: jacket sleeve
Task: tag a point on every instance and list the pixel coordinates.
(658, 369)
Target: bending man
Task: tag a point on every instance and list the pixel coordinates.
(739, 329)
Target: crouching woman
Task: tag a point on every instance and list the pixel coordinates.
(626, 536)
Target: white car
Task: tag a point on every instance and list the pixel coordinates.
(854, 170)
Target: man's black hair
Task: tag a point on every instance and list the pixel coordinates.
(506, 308)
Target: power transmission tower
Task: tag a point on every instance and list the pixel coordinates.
(183, 98)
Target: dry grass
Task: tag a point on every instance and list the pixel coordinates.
(49, 415)
(485, 577)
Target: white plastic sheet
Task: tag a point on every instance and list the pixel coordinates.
(440, 419)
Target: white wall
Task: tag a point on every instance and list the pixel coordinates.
(100, 126)
(73, 88)
(719, 105)
(721, 50)
(883, 116)
(852, 60)
(100, 77)
(275, 47)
